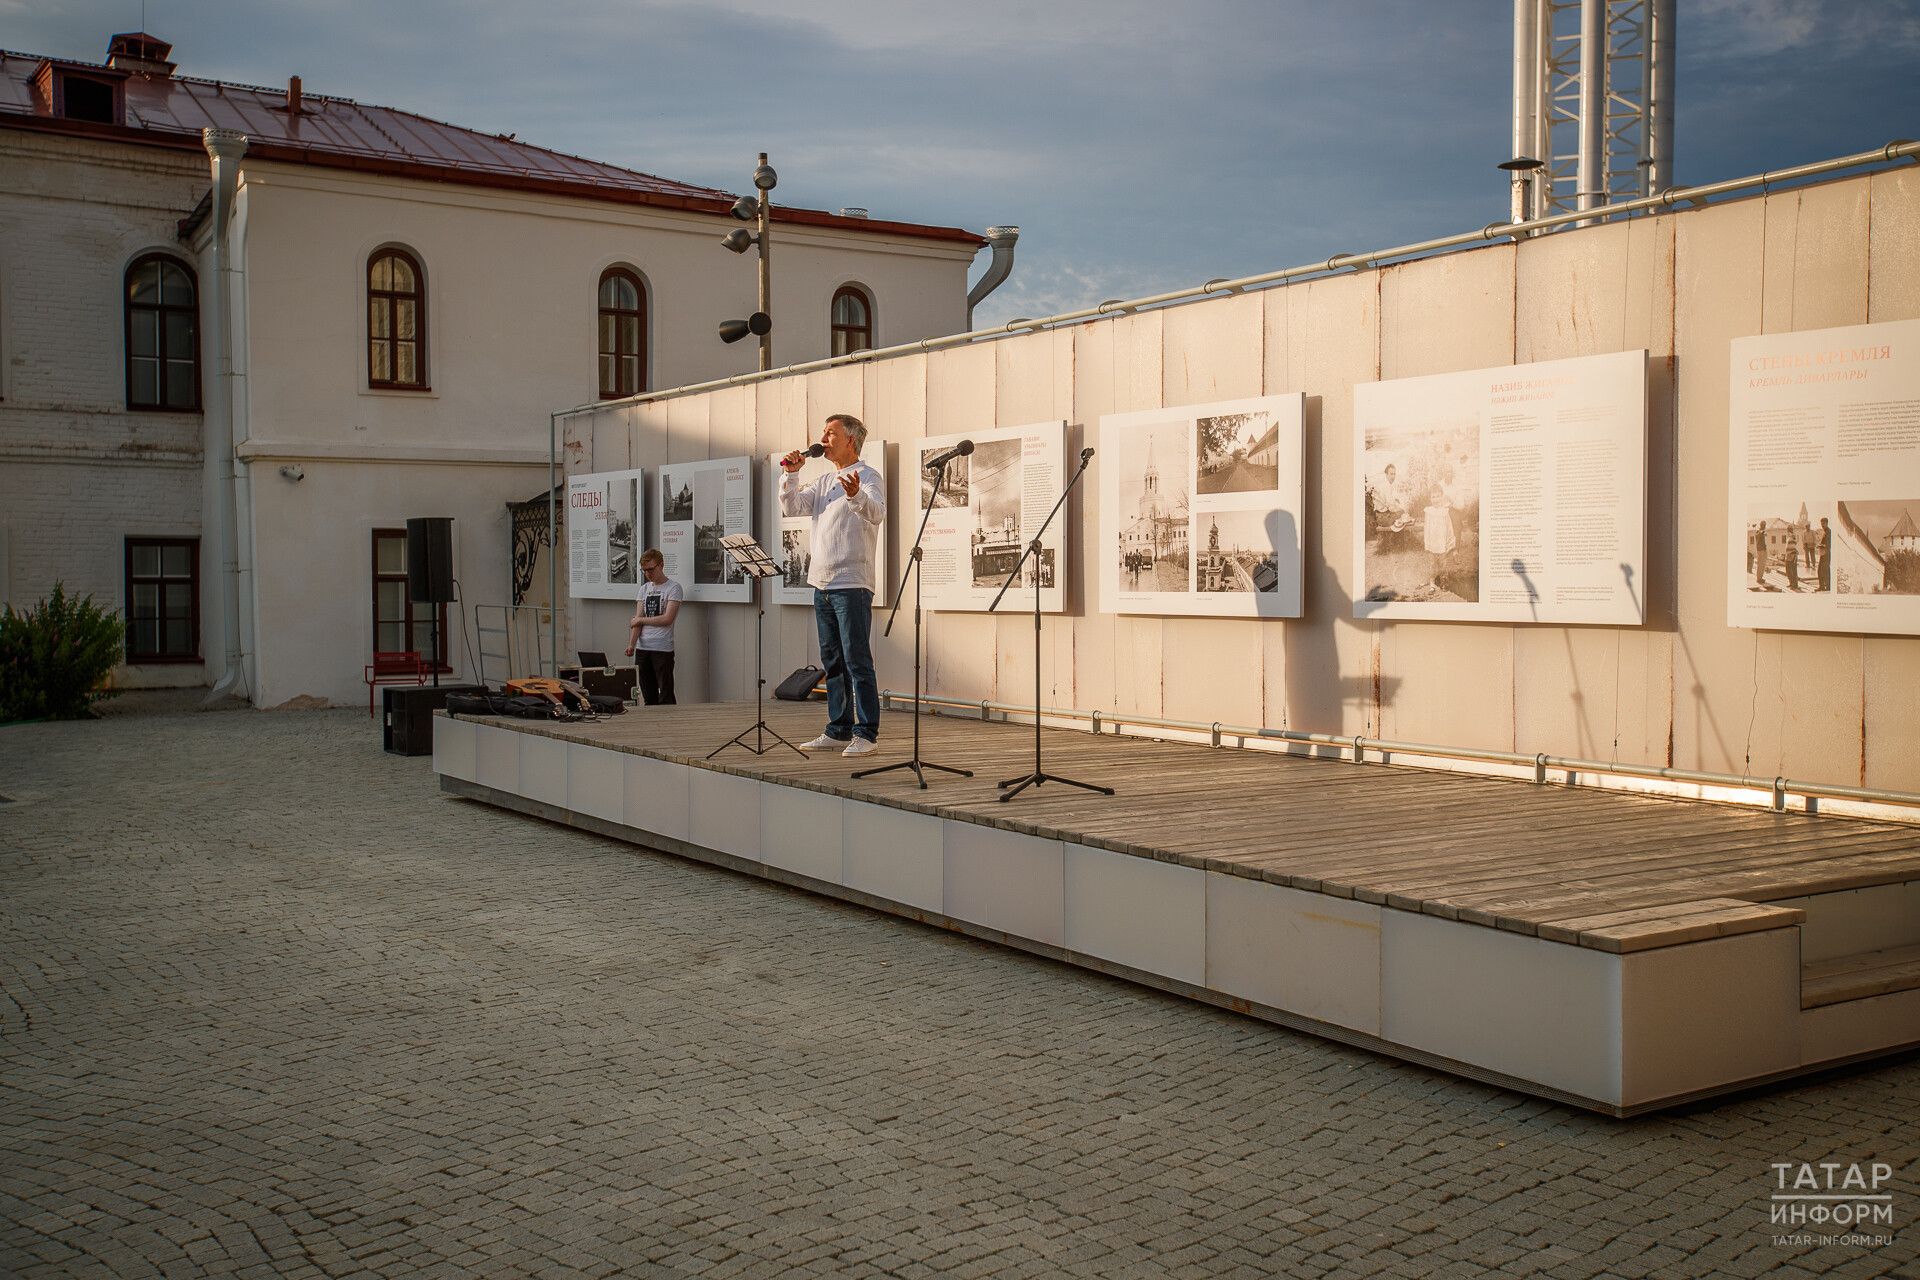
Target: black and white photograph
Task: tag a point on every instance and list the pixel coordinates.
(1154, 508)
(1789, 547)
(675, 504)
(796, 557)
(1422, 513)
(1044, 567)
(623, 552)
(1875, 548)
(1234, 550)
(953, 487)
(709, 525)
(995, 485)
(1237, 453)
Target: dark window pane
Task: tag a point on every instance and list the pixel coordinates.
(179, 384)
(179, 598)
(176, 560)
(626, 294)
(423, 637)
(379, 319)
(391, 553)
(402, 275)
(146, 636)
(606, 332)
(404, 369)
(382, 362)
(144, 339)
(387, 637)
(381, 274)
(630, 335)
(146, 599)
(403, 320)
(629, 375)
(174, 289)
(179, 333)
(607, 384)
(146, 381)
(179, 638)
(143, 282)
(146, 561)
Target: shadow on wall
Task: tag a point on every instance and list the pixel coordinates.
(1317, 694)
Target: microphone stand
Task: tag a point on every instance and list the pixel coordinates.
(1040, 775)
(913, 568)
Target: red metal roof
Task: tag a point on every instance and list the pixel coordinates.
(342, 133)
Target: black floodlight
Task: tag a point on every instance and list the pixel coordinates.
(759, 324)
(746, 208)
(739, 240)
(764, 178)
(1522, 164)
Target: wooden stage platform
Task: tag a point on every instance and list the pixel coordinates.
(1617, 951)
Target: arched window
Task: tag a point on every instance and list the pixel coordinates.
(396, 321)
(623, 334)
(163, 335)
(852, 321)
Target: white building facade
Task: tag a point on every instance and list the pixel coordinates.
(402, 322)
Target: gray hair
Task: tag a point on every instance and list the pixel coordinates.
(853, 427)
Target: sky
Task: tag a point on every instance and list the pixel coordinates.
(1140, 145)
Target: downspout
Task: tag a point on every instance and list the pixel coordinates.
(1002, 240)
(224, 147)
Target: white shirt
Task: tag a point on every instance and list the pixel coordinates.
(846, 531)
(653, 602)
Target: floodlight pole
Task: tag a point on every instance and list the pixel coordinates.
(765, 223)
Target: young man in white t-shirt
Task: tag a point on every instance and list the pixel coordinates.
(650, 632)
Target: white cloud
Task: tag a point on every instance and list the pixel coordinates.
(1726, 29)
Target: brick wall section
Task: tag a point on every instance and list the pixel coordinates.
(79, 472)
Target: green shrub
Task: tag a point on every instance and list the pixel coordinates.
(55, 657)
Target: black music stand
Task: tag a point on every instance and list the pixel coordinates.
(913, 567)
(752, 559)
(1040, 775)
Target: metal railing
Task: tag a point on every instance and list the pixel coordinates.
(1541, 763)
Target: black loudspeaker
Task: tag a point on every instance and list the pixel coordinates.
(430, 559)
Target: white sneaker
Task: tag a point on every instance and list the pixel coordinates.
(860, 747)
(823, 743)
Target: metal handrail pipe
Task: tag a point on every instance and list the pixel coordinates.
(1390, 746)
(1890, 153)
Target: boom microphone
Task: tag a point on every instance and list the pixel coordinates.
(939, 460)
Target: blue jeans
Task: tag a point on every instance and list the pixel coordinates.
(845, 619)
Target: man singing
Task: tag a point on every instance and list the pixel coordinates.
(848, 508)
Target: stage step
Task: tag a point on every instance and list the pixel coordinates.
(1859, 977)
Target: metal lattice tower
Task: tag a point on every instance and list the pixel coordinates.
(1592, 109)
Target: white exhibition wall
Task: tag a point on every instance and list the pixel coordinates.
(1684, 690)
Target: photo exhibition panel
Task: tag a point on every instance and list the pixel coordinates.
(1201, 509)
(986, 509)
(1824, 492)
(605, 521)
(1504, 495)
(701, 503)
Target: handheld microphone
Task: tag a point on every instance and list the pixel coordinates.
(939, 460)
(816, 449)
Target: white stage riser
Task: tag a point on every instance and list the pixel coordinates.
(1621, 1034)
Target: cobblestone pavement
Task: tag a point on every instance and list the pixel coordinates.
(274, 1006)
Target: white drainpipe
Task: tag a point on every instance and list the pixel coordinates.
(1002, 240)
(225, 147)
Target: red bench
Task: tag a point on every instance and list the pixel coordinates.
(404, 667)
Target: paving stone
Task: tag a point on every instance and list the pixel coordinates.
(270, 1003)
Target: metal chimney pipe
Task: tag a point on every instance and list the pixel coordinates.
(1526, 100)
(1662, 54)
(1592, 178)
(225, 147)
(1001, 240)
(293, 95)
